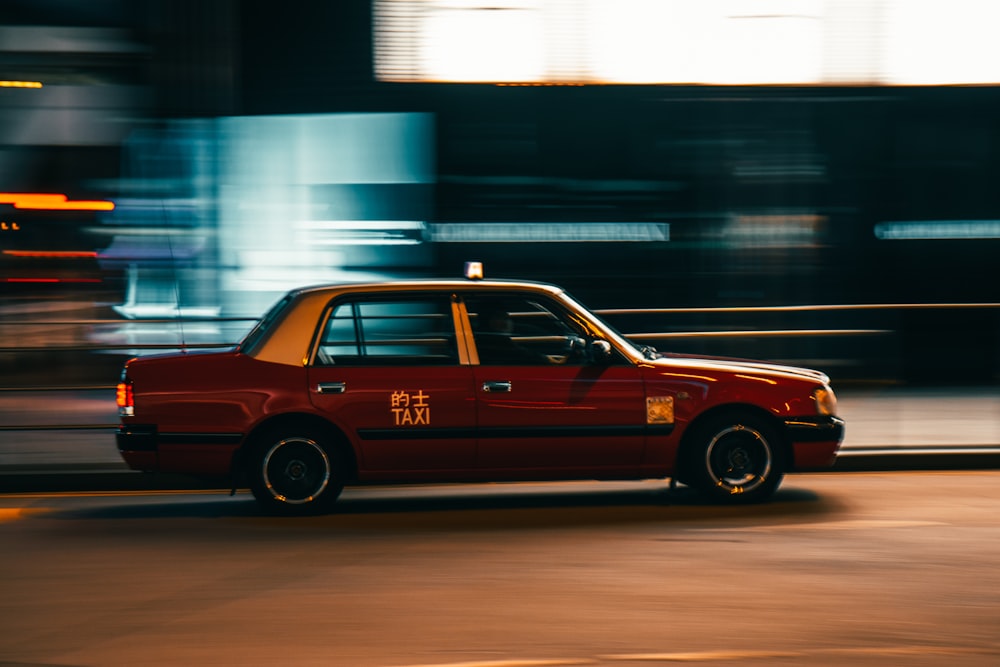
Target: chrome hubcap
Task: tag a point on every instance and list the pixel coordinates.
(738, 459)
(296, 470)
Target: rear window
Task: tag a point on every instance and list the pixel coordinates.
(263, 328)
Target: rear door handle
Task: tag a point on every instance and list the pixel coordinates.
(331, 387)
(496, 386)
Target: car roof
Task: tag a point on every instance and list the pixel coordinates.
(288, 341)
(418, 284)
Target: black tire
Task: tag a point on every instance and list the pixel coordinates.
(295, 472)
(735, 458)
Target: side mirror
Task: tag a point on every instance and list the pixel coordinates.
(600, 351)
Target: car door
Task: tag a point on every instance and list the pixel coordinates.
(388, 371)
(553, 411)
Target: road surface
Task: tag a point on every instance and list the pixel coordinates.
(841, 569)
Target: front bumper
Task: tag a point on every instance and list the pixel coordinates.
(815, 441)
(821, 428)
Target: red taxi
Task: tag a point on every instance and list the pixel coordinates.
(462, 381)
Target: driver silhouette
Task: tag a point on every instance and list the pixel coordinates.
(495, 341)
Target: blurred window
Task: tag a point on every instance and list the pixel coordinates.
(417, 331)
(520, 330)
(262, 331)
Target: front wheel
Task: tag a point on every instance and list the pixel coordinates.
(736, 458)
(295, 473)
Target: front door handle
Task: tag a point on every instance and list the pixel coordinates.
(331, 387)
(496, 386)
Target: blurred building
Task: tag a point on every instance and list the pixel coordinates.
(239, 210)
(665, 153)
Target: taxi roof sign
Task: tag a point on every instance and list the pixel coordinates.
(474, 270)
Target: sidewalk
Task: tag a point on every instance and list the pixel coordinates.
(888, 428)
(925, 428)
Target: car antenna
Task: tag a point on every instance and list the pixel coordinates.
(173, 273)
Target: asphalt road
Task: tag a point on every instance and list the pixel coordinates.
(841, 569)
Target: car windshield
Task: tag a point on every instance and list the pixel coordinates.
(647, 351)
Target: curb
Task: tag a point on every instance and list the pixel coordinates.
(882, 459)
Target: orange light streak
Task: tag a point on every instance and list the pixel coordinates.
(52, 280)
(52, 202)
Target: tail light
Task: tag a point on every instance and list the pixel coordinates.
(125, 398)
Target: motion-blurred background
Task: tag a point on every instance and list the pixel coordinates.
(806, 181)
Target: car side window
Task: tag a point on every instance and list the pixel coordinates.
(522, 330)
(377, 331)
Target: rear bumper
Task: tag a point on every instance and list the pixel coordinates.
(815, 441)
(137, 446)
(144, 447)
(136, 438)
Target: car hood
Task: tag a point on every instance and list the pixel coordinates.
(733, 365)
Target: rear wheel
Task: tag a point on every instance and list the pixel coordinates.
(295, 472)
(735, 458)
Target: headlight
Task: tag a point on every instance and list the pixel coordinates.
(826, 401)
